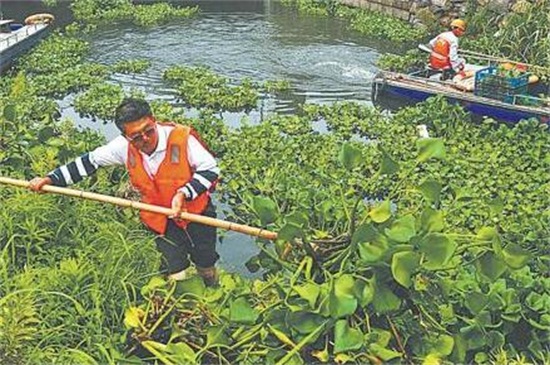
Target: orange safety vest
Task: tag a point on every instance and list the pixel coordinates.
(439, 58)
(173, 173)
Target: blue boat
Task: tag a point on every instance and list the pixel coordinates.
(392, 89)
(16, 39)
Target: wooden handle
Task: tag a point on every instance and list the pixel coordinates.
(197, 218)
(486, 57)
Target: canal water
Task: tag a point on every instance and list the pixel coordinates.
(324, 61)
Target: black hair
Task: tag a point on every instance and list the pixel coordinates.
(130, 110)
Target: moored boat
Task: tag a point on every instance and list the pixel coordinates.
(16, 39)
(390, 88)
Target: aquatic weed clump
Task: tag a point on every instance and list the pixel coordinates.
(101, 12)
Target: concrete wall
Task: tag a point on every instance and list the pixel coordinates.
(416, 10)
(398, 8)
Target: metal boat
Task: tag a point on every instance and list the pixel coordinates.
(390, 88)
(16, 39)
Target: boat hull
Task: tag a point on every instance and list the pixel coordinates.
(10, 54)
(394, 96)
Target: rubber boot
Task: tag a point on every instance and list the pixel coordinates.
(209, 275)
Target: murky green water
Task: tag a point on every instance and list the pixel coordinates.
(262, 40)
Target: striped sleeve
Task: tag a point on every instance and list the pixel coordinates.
(205, 167)
(113, 153)
(74, 171)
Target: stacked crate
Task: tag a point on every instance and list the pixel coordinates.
(491, 84)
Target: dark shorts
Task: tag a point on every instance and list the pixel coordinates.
(196, 243)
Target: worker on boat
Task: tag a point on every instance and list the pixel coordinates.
(170, 166)
(444, 56)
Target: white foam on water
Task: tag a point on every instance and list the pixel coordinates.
(349, 71)
(357, 72)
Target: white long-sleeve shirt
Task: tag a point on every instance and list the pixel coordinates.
(453, 49)
(204, 166)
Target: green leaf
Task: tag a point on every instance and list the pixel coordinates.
(350, 156)
(460, 348)
(490, 234)
(383, 353)
(432, 359)
(154, 283)
(442, 345)
(381, 213)
(403, 266)
(385, 300)
(495, 340)
(432, 220)
(342, 359)
(181, 352)
(373, 251)
(490, 266)
(388, 166)
(481, 358)
(476, 302)
(364, 233)
(402, 229)
(193, 285)
(215, 336)
(438, 249)
(363, 291)
(431, 190)
(241, 311)
(346, 338)
(266, 209)
(429, 148)
(535, 301)
(342, 301)
(378, 336)
(515, 256)
(309, 292)
(289, 232)
(474, 336)
(304, 322)
(10, 112)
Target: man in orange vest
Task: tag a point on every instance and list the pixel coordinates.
(444, 56)
(171, 167)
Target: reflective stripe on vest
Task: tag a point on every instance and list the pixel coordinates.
(173, 173)
(439, 58)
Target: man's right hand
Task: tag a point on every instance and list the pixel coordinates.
(37, 183)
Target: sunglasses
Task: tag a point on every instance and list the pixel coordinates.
(139, 136)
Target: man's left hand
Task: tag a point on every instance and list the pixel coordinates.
(178, 205)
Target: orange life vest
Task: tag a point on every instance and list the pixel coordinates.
(173, 173)
(439, 58)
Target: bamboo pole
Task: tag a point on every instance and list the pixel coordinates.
(197, 218)
(499, 59)
(486, 57)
